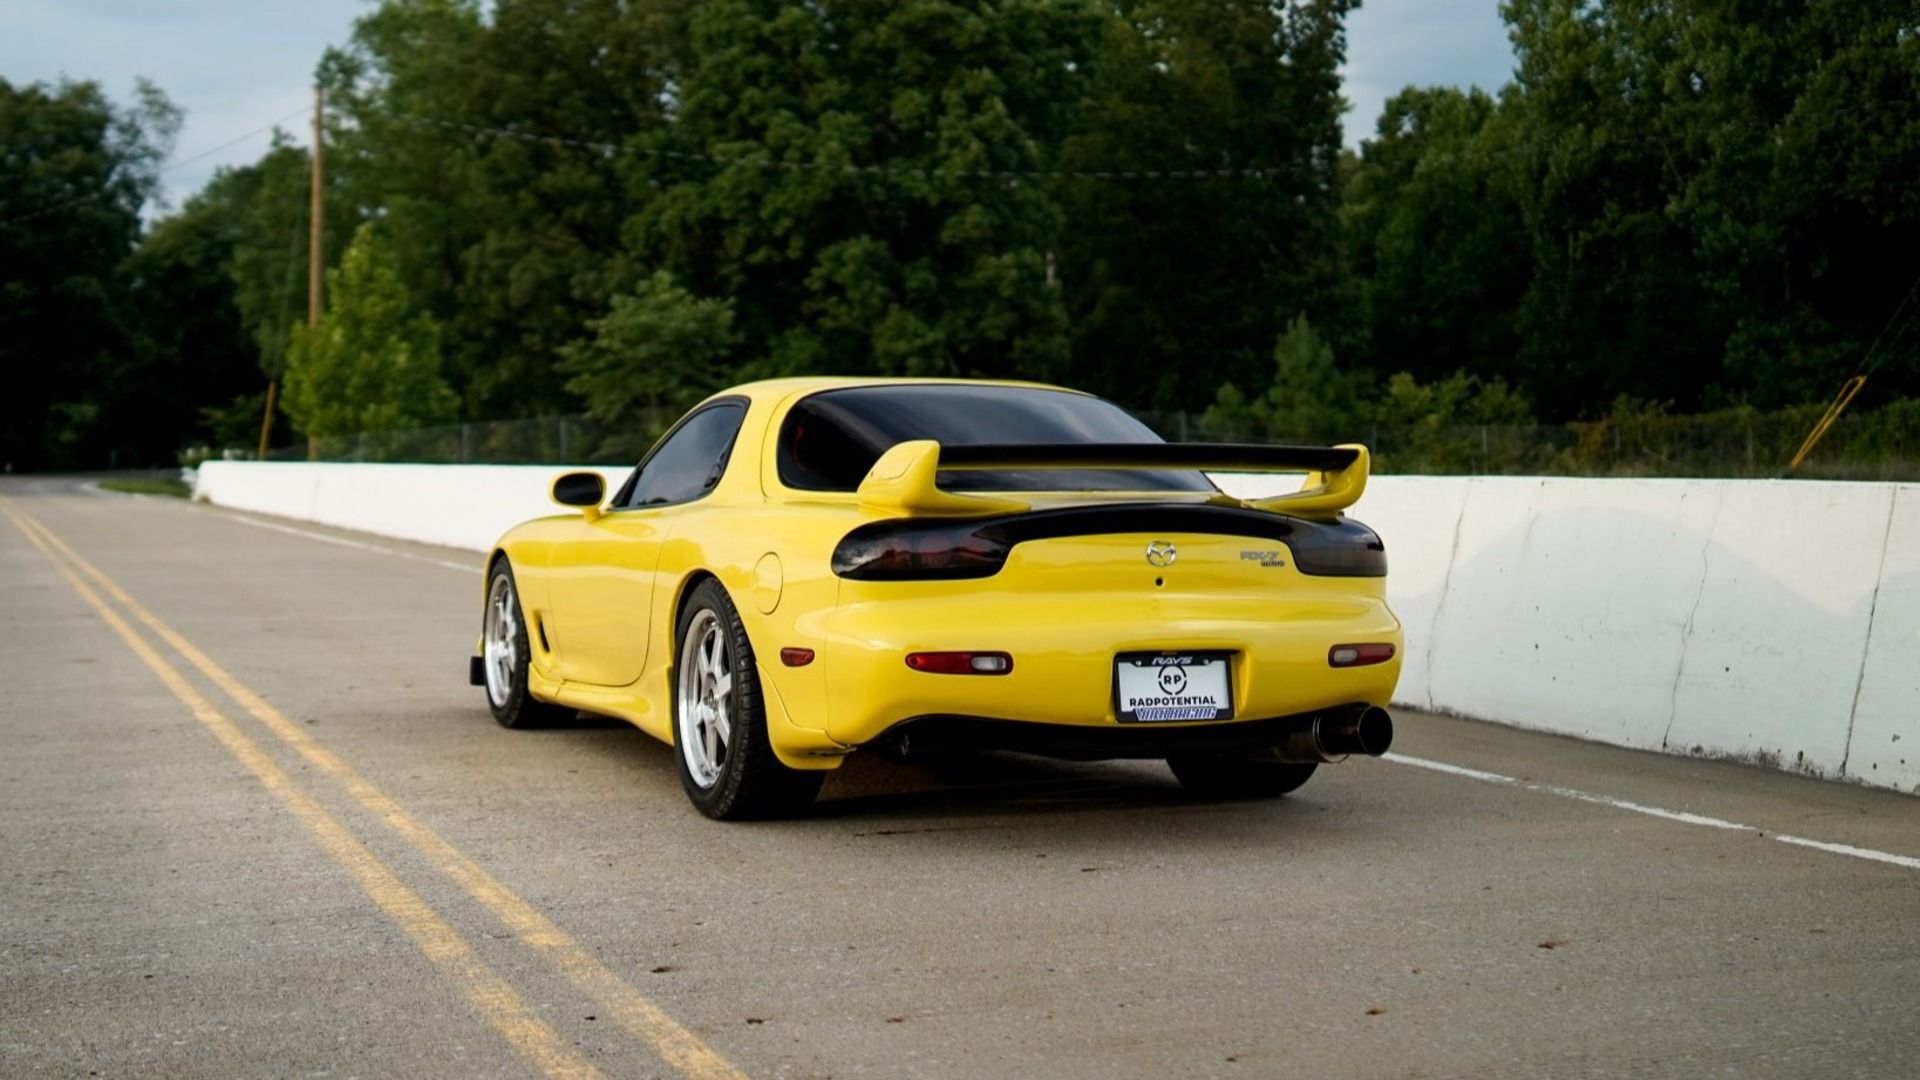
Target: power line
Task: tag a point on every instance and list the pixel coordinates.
(170, 166)
(1906, 302)
(768, 161)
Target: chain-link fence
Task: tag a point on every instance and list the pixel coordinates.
(546, 440)
(1882, 444)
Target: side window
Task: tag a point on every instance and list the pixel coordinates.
(690, 462)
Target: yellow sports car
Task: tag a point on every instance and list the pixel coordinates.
(803, 568)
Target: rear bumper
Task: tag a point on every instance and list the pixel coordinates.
(1063, 662)
(930, 736)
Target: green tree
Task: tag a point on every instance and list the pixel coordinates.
(1165, 275)
(838, 170)
(1311, 398)
(190, 345)
(1436, 236)
(73, 178)
(512, 243)
(373, 364)
(656, 352)
(1714, 194)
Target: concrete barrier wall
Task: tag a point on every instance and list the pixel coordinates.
(1774, 622)
(462, 506)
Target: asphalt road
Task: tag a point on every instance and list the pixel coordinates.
(253, 822)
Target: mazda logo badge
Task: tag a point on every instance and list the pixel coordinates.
(1162, 553)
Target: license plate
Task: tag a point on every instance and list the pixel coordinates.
(1153, 688)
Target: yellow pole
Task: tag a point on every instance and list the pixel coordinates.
(266, 420)
(1848, 390)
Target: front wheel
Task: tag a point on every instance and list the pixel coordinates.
(505, 657)
(726, 761)
(1217, 776)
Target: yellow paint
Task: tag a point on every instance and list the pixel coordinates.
(1324, 494)
(602, 586)
(633, 1011)
(503, 1007)
(903, 482)
(766, 583)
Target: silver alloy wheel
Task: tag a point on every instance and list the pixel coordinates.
(501, 647)
(705, 715)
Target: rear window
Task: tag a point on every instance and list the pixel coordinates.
(831, 439)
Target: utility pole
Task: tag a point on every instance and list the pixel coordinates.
(315, 252)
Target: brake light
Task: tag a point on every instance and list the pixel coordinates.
(903, 551)
(961, 663)
(1338, 549)
(1359, 655)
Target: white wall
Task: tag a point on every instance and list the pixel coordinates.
(1771, 621)
(462, 506)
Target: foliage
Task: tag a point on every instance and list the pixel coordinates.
(830, 171)
(191, 344)
(1159, 274)
(604, 204)
(1314, 399)
(373, 363)
(73, 178)
(173, 488)
(1311, 399)
(1434, 233)
(656, 352)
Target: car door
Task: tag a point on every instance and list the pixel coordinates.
(600, 588)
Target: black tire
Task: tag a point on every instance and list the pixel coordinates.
(1216, 776)
(516, 707)
(750, 783)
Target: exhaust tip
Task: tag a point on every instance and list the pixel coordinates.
(1373, 732)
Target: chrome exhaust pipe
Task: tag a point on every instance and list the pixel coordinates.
(1331, 737)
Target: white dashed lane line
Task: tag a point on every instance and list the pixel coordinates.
(465, 568)
(1681, 816)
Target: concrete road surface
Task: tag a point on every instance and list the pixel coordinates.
(253, 822)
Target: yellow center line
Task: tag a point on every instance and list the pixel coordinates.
(497, 1001)
(633, 1011)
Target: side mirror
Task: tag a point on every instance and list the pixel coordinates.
(580, 489)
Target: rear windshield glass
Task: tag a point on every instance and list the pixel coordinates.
(831, 439)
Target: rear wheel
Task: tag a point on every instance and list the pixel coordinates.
(1218, 776)
(720, 738)
(505, 656)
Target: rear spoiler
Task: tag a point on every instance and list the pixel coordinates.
(903, 481)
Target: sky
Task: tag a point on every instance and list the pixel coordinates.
(236, 67)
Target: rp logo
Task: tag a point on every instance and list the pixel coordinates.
(1172, 681)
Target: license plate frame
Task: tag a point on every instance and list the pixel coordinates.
(1217, 706)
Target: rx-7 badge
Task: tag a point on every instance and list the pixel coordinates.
(1268, 558)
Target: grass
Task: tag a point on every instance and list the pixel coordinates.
(149, 487)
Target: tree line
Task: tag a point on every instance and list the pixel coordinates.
(617, 206)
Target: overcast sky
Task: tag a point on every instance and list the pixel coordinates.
(235, 66)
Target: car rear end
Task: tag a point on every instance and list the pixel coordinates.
(1034, 568)
(1112, 629)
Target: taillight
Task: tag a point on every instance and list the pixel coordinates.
(1359, 655)
(1339, 549)
(904, 551)
(960, 663)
